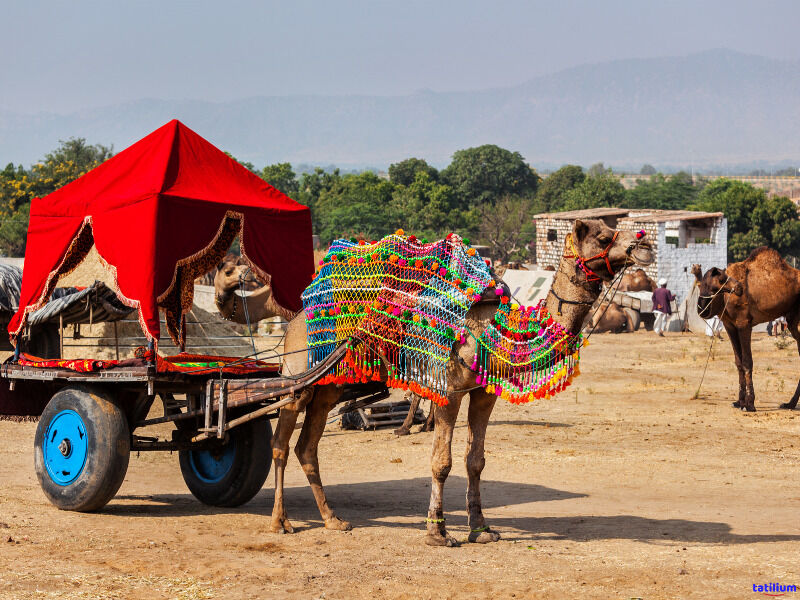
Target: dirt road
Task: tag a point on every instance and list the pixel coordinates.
(624, 487)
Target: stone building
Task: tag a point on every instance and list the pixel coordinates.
(680, 238)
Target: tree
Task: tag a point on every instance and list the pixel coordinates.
(73, 158)
(553, 188)
(247, 165)
(428, 207)
(507, 227)
(356, 205)
(487, 173)
(593, 192)
(281, 176)
(405, 172)
(675, 192)
(647, 169)
(598, 169)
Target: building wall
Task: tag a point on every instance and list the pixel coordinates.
(674, 264)
(548, 254)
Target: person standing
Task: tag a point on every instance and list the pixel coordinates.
(661, 306)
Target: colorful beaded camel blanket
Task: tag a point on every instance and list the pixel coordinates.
(401, 303)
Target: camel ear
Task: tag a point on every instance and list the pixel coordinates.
(580, 229)
(738, 289)
(220, 265)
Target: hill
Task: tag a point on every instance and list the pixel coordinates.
(707, 108)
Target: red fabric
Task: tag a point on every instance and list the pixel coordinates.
(81, 365)
(243, 367)
(159, 201)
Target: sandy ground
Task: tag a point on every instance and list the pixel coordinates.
(624, 487)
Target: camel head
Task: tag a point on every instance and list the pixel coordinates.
(713, 287)
(697, 271)
(232, 275)
(595, 242)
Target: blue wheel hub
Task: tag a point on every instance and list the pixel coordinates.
(66, 445)
(213, 466)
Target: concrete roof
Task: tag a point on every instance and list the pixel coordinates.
(659, 216)
(645, 216)
(587, 213)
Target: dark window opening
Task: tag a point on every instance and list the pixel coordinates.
(552, 235)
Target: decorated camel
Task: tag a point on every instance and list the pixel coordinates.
(464, 362)
(759, 289)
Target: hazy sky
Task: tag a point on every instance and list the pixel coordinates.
(64, 56)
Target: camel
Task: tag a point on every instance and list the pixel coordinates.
(637, 281)
(611, 318)
(761, 288)
(405, 428)
(260, 304)
(570, 298)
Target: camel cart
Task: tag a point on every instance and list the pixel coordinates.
(160, 213)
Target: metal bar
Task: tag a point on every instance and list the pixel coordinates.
(223, 400)
(116, 339)
(61, 335)
(209, 404)
(259, 413)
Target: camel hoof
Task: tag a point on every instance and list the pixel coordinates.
(336, 524)
(483, 537)
(402, 431)
(737, 404)
(441, 540)
(749, 408)
(788, 405)
(281, 526)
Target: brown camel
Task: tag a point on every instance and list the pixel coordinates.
(405, 428)
(637, 281)
(260, 304)
(570, 299)
(759, 289)
(611, 318)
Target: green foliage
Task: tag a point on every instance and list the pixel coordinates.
(603, 190)
(428, 208)
(598, 169)
(552, 193)
(487, 173)
(356, 205)
(675, 192)
(247, 165)
(18, 186)
(405, 172)
(753, 219)
(647, 169)
(281, 176)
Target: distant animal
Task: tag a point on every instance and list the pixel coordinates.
(611, 318)
(636, 281)
(759, 289)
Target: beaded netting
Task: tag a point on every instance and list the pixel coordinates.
(524, 354)
(400, 303)
(404, 299)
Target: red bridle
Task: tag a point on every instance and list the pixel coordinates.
(581, 262)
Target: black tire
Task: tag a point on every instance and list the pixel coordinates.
(230, 474)
(85, 422)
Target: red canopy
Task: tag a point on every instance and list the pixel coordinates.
(160, 213)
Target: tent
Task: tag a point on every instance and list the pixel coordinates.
(160, 213)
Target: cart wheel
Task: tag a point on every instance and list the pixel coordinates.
(81, 449)
(233, 473)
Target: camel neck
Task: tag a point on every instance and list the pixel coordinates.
(571, 296)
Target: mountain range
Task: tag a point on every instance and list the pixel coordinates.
(713, 107)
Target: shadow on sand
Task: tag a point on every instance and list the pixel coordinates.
(373, 504)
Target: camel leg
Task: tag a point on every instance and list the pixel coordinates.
(405, 428)
(747, 365)
(793, 321)
(428, 426)
(733, 336)
(441, 462)
(280, 449)
(480, 409)
(306, 451)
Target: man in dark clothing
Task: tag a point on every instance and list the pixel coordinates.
(661, 306)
